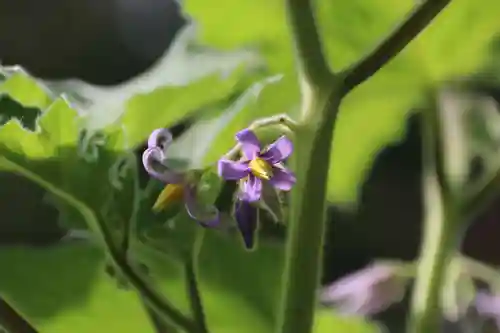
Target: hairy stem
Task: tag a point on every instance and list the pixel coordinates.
(322, 92)
(396, 41)
(306, 226)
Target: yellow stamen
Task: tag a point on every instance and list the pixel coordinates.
(172, 193)
(261, 168)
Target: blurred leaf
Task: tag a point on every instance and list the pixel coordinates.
(166, 105)
(65, 289)
(262, 99)
(373, 114)
(327, 322)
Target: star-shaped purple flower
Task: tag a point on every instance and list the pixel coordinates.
(256, 166)
(178, 187)
(259, 165)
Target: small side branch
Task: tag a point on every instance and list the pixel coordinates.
(311, 59)
(195, 297)
(394, 43)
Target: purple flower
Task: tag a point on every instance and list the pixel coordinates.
(178, 186)
(255, 167)
(488, 306)
(366, 292)
(258, 165)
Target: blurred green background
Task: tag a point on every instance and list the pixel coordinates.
(65, 288)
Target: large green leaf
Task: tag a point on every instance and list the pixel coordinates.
(65, 289)
(455, 44)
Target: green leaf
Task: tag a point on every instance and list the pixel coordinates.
(165, 106)
(456, 44)
(262, 99)
(71, 291)
(73, 163)
(209, 187)
(25, 90)
(327, 321)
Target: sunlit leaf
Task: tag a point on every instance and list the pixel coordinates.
(26, 91)
(71, 162)
(373, 115)
(164, 106)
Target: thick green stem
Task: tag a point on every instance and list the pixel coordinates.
(306, 226)
(322, 92)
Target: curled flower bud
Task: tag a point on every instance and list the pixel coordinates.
(178, 185)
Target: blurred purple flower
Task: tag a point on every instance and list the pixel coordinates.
(488, 306)
(366, 292)
(257, 165)
(178, 187)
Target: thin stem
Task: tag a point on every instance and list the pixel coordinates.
(288, 126)
(394, 43)
(482, 196)
(130, 228)
(480, 271)
(441, 238)
(155, 301)
(311, 60)
(159, 325)
(192, 285)
(11, 321)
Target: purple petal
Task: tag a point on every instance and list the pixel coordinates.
(207, 216)
(283, 179)
(487, 305)
(251, 189)
(250, 145)
(246, 218)
(152, 161)
(230, 170)
(278, 151)
(366, 292)
(160, 137)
